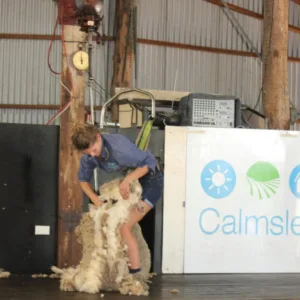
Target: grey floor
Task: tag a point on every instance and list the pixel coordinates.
(283, 286)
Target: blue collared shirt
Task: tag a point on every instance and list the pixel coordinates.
(117, 153)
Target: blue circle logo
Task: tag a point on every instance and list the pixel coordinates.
(218, 179)
(295, 181)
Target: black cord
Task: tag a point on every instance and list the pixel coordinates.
(101, 87)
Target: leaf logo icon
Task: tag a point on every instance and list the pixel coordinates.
(264, 180)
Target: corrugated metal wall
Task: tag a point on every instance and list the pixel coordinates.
(197, 23)
(201, 23)
(26, 78)
(254, 5)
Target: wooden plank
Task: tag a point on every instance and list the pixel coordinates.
(174, 198)
(39, 106)
(250, 13)
(42, 37)
(237, 9)
(155, 43)
(196, 48)
(70, 194)
(275, 64)
(123, 50)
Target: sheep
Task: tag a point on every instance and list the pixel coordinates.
(4, 274)
(104, 263)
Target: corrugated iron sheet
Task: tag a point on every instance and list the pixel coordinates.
(25, 76)
(151, 62)
(203, 24)
(197, 71)
(28, 16)
(194, 22)
(26, 79)
(254, 5)
(26, 116)
(294, 14)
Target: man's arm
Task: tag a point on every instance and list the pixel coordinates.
(136, 174)
(87, 189)
(85, 174)
(128, 154)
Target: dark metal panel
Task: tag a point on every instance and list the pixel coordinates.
(28, 189)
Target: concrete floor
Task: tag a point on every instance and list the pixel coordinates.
(284, 286)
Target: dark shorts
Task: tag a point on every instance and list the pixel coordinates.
(153, 186)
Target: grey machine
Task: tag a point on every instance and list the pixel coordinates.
(206, 110)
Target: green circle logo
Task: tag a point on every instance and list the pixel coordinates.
(264, 180)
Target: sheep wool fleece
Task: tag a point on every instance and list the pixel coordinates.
(104, 263)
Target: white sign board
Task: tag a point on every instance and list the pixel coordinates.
(242, 201)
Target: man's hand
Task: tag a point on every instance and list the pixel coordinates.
(96, 200)
(125, 189)
(87, 189)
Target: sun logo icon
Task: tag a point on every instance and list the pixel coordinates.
(218, 179)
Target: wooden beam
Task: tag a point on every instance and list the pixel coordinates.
(28, 106)
(39, 106)
(161, 44)
(249, 13)
(196, 48)
(123, 49)
(237, 9)
(21, 36)
(70, 194)
(42, 37)
(275, 64)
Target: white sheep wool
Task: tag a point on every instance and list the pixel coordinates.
(4, 274)
(104, 263)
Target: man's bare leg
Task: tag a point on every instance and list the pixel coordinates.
(126, 231)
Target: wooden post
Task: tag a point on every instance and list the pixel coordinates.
(123, 50)
(70, 194)
(275, 64)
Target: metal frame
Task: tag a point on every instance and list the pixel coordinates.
(102, 123)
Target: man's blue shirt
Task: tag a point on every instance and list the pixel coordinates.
(117, 153)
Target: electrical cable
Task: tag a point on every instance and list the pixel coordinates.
(50, 47)
(244, 120)
(67, 105)
(102, 88)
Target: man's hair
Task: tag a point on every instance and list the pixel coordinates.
(84, 135)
